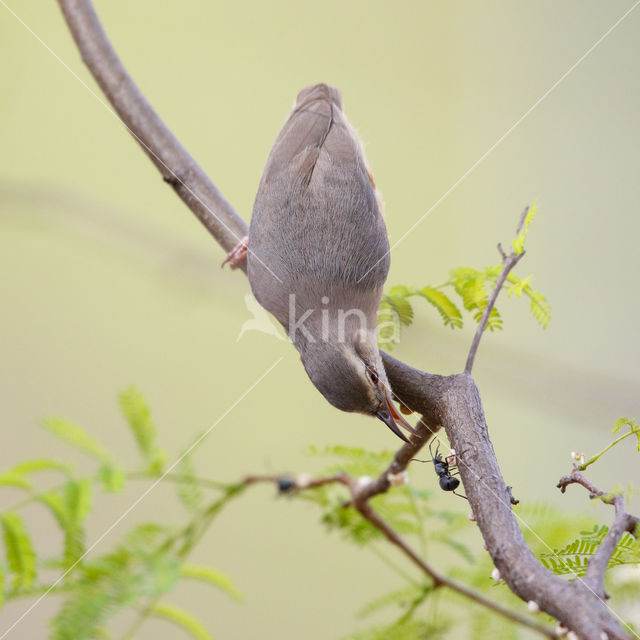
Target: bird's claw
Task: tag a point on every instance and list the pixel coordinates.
(238, 255)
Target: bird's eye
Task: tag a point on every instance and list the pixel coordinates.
(374, 376)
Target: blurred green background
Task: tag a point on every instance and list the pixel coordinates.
(107, 279)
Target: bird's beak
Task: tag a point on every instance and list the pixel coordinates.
(391, 417)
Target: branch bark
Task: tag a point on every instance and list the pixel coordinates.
(452, 402)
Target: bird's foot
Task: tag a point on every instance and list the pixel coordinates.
(238, 255)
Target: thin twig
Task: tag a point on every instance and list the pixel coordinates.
(509, 261)
(623, 522)
(360, 496)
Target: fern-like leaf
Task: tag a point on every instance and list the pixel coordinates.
(538, 305)
(183, 619)
(21, 556)
(398, 299)
(107, 585)
(494, 321)
(138, 416)
(211, 576)
(402, 598)
(76, 436)
(189, 492)
(41, 464)
(449, 312)
(70, 507)
(112, 477)
(573, 558)
(620, 423)
(518, 242)
(388, 329)
(13, 479)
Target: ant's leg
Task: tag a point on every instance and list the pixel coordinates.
(460, 495)
(437, 447)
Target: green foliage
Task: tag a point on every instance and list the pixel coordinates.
(355, 461)
(21, 556)
(572, 559)
(404, 508)
(70, 506)
(145, 564)
(450, 314)
(107, 585)
(76, 436)
(189, 492)
(538, 304)
(402, 630)
(148, 562)
(634, 428)
(111, 477)
(472, 286)
(400, 598)
(212, 577)
(183, 619)
(138, 415)
(518, 243)
(618, 426)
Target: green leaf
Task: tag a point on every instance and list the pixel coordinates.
(469, 284)
(494, 321)
(138, 415)
(41, 464)
(620, 423)
(109, 584)
(21, 556)
(397, 299)
(13, 479)
(111, 477)
(538, 305)
(76, 436)
(388, 328)
(402, 598)
(211, 576)
(451, 315)
(77, 500)
(189, 492)
(183, 619)
(70, 507)
(404, 630)
(355, 461)
(573, 558)
(518, 243)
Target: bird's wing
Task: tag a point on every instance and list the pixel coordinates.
(316, 122)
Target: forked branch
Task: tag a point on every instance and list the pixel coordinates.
(509, 261)
(623, 522)
(452, 402)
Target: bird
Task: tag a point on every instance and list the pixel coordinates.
(317, 254)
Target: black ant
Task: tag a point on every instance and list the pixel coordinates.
(441, 467)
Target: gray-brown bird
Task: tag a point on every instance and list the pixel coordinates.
(318, 254)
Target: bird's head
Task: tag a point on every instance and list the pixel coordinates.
(351, 376)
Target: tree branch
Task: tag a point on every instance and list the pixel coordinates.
(622, 522)
(508, 262)
(452, 402)
(360, 500)
(175, 164)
